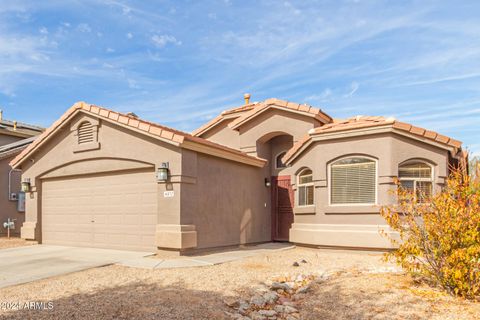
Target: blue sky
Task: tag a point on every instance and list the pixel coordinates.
(181, 62)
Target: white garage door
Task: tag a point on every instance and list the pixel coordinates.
(115, 211)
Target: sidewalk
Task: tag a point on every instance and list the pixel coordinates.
(211, 259)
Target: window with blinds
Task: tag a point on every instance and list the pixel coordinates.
(85, 133)
(417, 177)
(353, 181)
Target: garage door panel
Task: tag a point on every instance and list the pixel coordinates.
(110, 211)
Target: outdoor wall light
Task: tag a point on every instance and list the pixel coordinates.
(162, 172)
(267, 183)
(26, 185)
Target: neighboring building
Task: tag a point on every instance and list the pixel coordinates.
(14, 137)
(273, 170)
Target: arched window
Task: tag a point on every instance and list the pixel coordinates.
(353, 180)
(305, 188)
(278, 161)
(85, 133)
(416, 176)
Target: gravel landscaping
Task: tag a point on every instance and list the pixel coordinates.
(300, 283)
(14, 242)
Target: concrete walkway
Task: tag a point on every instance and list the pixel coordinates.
(25, 264)
(152, 262)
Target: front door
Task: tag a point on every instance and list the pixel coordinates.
(282, 207)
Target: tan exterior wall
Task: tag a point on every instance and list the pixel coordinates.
(8, 209)
(228, 203)
(223, 134)
(356, 225)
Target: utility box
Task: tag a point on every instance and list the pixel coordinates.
(21, 202)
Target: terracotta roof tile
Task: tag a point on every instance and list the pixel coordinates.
(249, 111)
(104, 113)
(360, 122)
(155, 130)
(133, 122)
(146, 126)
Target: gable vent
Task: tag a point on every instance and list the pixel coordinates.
(85, 133)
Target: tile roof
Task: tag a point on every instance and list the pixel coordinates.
(285, 105)
(167, 134)
(248, 112)
(361, 122)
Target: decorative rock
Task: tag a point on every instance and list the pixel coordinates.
(258, 301)
(289, 309)
(295, 264)
(279, 285)
(267, 313)
(279, 308)
(299, 296)
(303, 289)
(303, 261)
(231, 302)
(257, 316)
(270, 297)
(292, 317)
(243, 308)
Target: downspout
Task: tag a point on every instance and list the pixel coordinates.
(10, 183)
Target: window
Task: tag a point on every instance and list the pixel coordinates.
(305, 188)
(416, 177)
(85, 133)
(278, 161)
(353, 181)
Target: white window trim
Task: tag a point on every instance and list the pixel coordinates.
(329, 172)
(305, 185)
(431, 179)
(276, 156)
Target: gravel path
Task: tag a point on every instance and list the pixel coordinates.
(14, 242)
(358, 288)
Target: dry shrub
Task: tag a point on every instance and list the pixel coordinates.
(440, 237)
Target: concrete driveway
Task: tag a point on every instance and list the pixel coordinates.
(25, 264)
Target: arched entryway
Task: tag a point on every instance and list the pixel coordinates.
(273, 147)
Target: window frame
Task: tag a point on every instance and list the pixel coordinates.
(331, 163)
(284, 152)
(431, 179)
(308, 184)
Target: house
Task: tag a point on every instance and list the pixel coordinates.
(272, 170)
(14, 137)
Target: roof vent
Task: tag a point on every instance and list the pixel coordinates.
(247, 96)
(132, 115)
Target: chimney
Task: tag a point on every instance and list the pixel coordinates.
(246, 96)
(132, 115)
(15, 125)
(1, 114)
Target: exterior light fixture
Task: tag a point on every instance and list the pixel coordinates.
(162, 172)
(267, 183)
(26, 185)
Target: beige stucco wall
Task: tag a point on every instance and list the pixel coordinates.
(223, 134)
(228, 203)
(8, 209)
(354, 225)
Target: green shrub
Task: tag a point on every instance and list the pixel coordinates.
(440, 237)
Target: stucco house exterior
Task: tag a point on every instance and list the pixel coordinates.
(14, 137)
(272, 170)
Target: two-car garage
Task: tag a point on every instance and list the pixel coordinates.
(117, 210)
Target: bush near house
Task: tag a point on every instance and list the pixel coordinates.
(440, 236)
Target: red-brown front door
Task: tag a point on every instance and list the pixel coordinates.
(282, 207)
